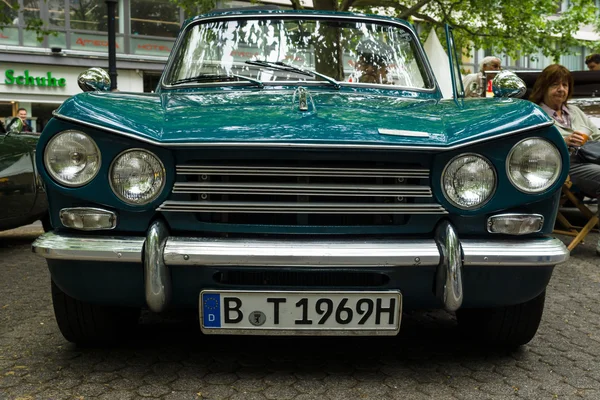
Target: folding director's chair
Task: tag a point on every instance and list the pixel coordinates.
(569, 193)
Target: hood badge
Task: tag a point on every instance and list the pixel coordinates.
(402, 132)
(305, 100)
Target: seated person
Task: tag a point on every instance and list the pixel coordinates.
(551, 91)
(593, 62)
(474, 84)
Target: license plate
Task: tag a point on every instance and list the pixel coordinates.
(300, 312)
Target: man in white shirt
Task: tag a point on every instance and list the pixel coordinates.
(475, 84)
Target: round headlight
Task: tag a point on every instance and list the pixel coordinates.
(533, 165)
(137, 176)
(72, 158)
(468, 181)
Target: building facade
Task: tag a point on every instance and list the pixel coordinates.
(39, 75)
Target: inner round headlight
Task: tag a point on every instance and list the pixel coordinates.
(533, 165)
(137, 176)
(468, 181)
(72, 158)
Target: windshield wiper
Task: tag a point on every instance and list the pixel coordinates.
(279, 65)
(219, 77)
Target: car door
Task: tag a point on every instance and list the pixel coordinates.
(454, 60)
(17, 175)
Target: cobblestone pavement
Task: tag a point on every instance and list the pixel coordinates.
(170, 359)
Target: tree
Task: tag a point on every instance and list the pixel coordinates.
(9, 12)
(504, 26)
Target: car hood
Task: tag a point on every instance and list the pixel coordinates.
(274, 116)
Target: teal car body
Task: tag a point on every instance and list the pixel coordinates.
(222, 189)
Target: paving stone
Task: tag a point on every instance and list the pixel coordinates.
(220, 378)
(312, 387)
(249, 385)
(90, 389)
(116, 395)
(280, 379)
(249, 396)
(181, 395)
(280, 392)
(216, 392)
(121, 384)
(152, 390)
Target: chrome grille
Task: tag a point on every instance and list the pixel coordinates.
(236, 189)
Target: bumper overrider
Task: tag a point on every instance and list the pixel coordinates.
(158, 251)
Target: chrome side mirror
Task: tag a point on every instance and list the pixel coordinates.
(14, 125)
(508, 84)
(94, 79)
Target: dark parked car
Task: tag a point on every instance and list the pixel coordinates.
(590, 106)
(22, 194)
(299, 173)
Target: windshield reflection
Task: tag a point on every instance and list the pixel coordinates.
(355, 52)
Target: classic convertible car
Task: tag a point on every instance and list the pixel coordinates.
(22, 193)
(299, 173)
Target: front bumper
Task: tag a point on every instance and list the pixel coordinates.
(159, 251)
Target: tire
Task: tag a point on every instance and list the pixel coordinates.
(88, 324)
(509, 327)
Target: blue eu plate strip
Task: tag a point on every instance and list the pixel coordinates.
(211, 304)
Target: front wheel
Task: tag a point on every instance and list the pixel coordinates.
(88, 324)
(509, 326)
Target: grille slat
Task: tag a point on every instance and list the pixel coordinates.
(302, 171)
(301, 189)
(296, 194)
(329, 208)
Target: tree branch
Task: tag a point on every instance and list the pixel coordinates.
(296, 5)
(378, 3)
(346, 4)
(329, 5)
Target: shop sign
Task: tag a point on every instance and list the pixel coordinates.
(94, 42)
(29, 80)
(151, 47)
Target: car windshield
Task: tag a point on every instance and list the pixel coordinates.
(274, 50)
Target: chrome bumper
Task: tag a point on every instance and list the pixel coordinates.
(445, 251)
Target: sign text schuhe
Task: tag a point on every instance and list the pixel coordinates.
(28, 80)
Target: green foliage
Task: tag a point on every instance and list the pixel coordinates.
(9, 11)
(502, 26)
(505, 26)
(194, 7)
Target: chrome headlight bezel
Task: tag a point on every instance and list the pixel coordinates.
(157, 192)
(490, 195)
(551, 182)
(54, 175)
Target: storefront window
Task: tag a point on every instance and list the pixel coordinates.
(90, 15)
(154, 18)
(10, 7)
(56, 13)
(31, 10)
(31, 13)
(59, 40)
(9, 36)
